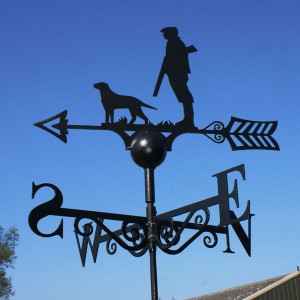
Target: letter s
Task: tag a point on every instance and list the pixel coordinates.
(51, 207)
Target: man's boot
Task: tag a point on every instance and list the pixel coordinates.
(188, 115)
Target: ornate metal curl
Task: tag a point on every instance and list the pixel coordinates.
(134, 230)
(166, 230)
(201, 222)
(111, 248)
(87, 227)
(188, 242)
(170, 231)
(208, 242)
(210, 132)
(141, 252)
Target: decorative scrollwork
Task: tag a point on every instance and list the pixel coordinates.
(141, 238)
(166, 229)
(214, 131)
(210, 242)
(169, 233)
(201, 221)
(198, 220)
(111, 247)
(218, 138)
(216, 125)
(87, 227)
(141, 252)
(137, 240)
(134, 230)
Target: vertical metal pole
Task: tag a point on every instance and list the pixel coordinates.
(152, 234)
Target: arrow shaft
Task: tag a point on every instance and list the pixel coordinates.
(96, 127)
(89, 127)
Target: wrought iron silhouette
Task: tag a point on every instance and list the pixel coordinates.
(176, 66)
(112, 101)
(148, 144)
(134, 230)
(241, 134)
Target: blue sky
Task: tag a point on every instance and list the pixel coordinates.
(247, 65)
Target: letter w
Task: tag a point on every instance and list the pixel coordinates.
(87, 241)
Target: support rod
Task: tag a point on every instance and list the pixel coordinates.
(151, 213)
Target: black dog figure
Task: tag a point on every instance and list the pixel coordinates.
(112, 101)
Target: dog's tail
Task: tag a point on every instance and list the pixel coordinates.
(148, 106)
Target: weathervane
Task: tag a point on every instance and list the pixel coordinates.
(148, 143)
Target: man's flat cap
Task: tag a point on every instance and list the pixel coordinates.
(170, 30)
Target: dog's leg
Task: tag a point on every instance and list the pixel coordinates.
(133, 117)
(112, 116)
(141, 114)
(106, 117)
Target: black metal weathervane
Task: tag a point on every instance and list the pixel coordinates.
(148, 145)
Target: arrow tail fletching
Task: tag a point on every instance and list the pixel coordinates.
(248, 135)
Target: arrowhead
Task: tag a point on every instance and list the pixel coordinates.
(61, 125)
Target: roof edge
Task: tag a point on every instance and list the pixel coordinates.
(273, 285)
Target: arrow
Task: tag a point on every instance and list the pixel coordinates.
(241, 134)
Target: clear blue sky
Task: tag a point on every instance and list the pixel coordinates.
(247, 65)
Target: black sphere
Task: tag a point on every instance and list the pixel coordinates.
(148, 149)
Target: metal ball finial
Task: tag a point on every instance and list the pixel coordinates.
(148, 149)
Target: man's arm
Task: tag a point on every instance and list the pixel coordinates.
(189, 49)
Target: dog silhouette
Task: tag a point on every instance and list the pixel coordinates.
(112, 101)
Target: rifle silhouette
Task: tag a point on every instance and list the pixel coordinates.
(189, 49)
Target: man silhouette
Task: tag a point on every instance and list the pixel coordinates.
(176, 66)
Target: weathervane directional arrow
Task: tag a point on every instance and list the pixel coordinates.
(241, 134)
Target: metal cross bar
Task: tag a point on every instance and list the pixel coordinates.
(241, 134)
